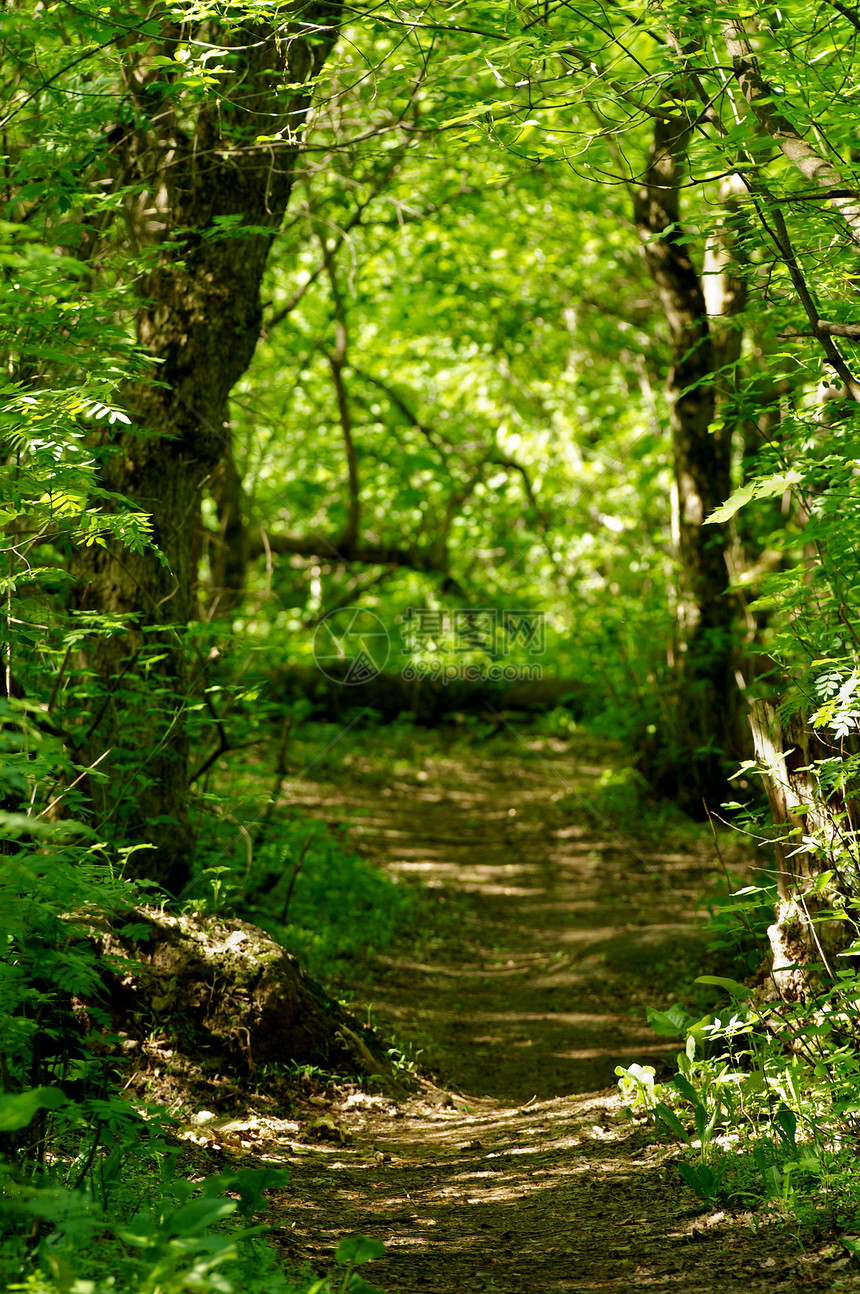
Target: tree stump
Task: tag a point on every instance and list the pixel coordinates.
(226, 990)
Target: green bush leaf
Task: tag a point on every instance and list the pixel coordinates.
(198, 1215)
(358, 1285)
(787, 1126)
(683, 1085)
(671, 1120)
(765, 488)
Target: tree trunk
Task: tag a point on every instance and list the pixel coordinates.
(702, 469)
(200, 320)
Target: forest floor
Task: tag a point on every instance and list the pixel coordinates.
(516, 1169)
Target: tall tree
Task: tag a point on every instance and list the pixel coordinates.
(207, 124)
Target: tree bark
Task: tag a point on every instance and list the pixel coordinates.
(198, 183)
(228, 550)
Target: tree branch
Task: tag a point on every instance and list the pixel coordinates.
(338, 553)
(838, 329)
(355, 219)
(354, 590)
(851, 14)
(499, 460)
(408, 413)
(337, 363)
(761, 97)
(759, 192)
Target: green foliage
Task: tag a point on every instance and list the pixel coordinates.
(180, 1243)
(623, 798)
(351, 1253)
(177, 1244)
(738, 922)
(94, 1194)
(456, 402)
(339, 906)
(51, 896)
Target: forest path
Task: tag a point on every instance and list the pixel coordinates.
(519, 1175)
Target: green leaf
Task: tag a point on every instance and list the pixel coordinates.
(359, 1249)
(669, 1024)
(479, 110)
(251, 1182)
(767, 487)
(664, 233)
(787, 1126)
(731, 986)
(671, 1120)
(702, 1178)
(685, 1087)
(16, 1112)
(198, 1215)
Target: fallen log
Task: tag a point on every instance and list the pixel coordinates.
(426, 700)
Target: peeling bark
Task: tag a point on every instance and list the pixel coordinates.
(786, 754)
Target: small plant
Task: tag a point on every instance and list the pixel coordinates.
(705, 1180)
(351, 1253)
(404, 1060)
(638, 1088)
(310, 892)
(738, 922)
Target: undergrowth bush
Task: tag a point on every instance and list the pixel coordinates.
(92, 1196)
(738, 920)
(328, 903)
(624, 799)
(765, 1101)
(95, 1197)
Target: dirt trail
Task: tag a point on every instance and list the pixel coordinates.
(519, 1172)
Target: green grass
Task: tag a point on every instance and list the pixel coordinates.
(312, 893)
